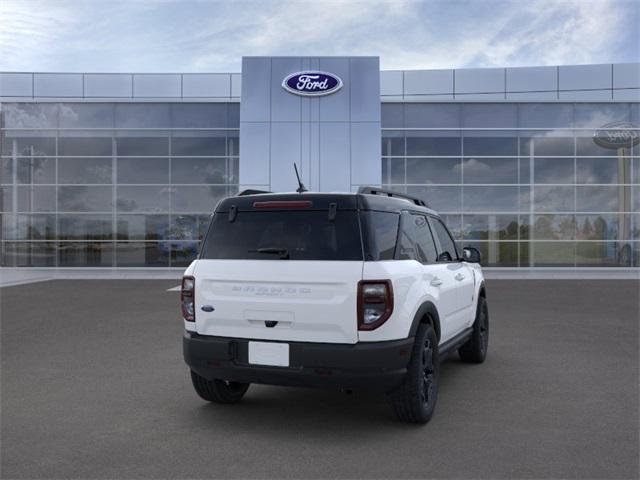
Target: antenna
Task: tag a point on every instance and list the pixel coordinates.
(301, 188)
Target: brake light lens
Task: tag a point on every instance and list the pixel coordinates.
(284, 204)
(187, 299)
(375, 303)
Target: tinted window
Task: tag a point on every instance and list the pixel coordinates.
(416, 242)
(304, 235)
(382, 232)
(446, 242)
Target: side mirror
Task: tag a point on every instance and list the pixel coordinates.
(444, 257)
(471, 255)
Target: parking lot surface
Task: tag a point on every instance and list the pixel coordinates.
(94, 386)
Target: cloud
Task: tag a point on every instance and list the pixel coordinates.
(200, 35)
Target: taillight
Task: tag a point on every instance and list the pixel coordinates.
(375, 303)
(187, 298)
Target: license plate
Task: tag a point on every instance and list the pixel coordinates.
(268, 353)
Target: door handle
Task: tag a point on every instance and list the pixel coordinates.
(436, 282)
(459, 277)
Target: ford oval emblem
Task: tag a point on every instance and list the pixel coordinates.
(312, 83)
(617, 135)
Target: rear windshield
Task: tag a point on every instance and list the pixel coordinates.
(286, 235)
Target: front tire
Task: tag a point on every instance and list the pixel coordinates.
(475, 350)
(415, 400)
(218, 391)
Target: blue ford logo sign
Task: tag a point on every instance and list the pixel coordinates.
(312, 83)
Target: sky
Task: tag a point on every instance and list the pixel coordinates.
(212, 36)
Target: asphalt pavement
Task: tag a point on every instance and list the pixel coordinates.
(93, 385)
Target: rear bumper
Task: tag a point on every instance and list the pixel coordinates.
(375, 366)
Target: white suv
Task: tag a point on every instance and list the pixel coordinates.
(363, 291)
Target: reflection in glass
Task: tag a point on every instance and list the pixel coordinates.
(36, 198)
(553, 199)
(86, 115)
(488, 199)
(554, 227)
(80, 254)
(481, 145)
(84, 199)
(496, 254)
(200, 170)
(552, 254)
(425, 143)
(490, 227)
(29, 254)
(441, 199)
(604, 254)
(85, 227)
(183, 253)
(603, 198)
(143, 199)
(139, 254)
(553, 170)
(35, 170)
(545, 144)
(143, 170)
(85, 146)
(433, 170)
(213, 144)
(36, 144)
(142, 146)
(603, 170)
(490, 170)
(602, 226)
(84, 170)
(143, 227)
(392, 144)
(197, 199)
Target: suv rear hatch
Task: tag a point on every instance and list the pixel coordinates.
(281, 269)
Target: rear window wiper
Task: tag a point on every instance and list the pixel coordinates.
(283, 252)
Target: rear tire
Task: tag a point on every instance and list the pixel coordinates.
(475, 350)
(415, 400)
(218, 391)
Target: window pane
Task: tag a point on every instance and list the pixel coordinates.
(434, 170)
(142, 146)
(26, 254)
(85, 199)
(552, 254)
(28, 227)
(199, 146)
(490, 227)
(147, 115)
(598, 114)
(601, 198)
(454, 224)
(603, 254)
(554, 227)
(36, 199)
(143, 227)
(553, 170)
(79, 146)
(484, 115)
(35, 144)
(86, 115)
(585, 145)
(425, 143)
(490, 199)
(396, 174)
(490, 170)
(143, 170)
(80, 254)
(429, 115)
(151, 254)
(200, 115)
(603, 227)
(143, 199)
(200, 170)
(28, 115)
(85, 227)
(442, 199)
(416, 241)
(603, 170)
(545, 115)
(392, 115)
(381, 232)
(553, 199)
(84, 170)
(540, 145)
(197, 199)
(481, 145)
(36, 170)
(392, 143)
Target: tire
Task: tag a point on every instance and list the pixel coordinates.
(475, 349)
(218, 391)
(415, 400)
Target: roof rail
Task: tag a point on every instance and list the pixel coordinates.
(391, 193)
(250, 191)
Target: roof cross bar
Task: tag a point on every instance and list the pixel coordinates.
(391, 193)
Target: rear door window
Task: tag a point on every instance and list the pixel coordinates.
(293, 235)
(416, 241)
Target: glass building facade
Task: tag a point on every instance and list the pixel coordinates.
(131, 181)
(112, 184)
(525, 183)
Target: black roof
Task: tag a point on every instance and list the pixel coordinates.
(321, 201)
